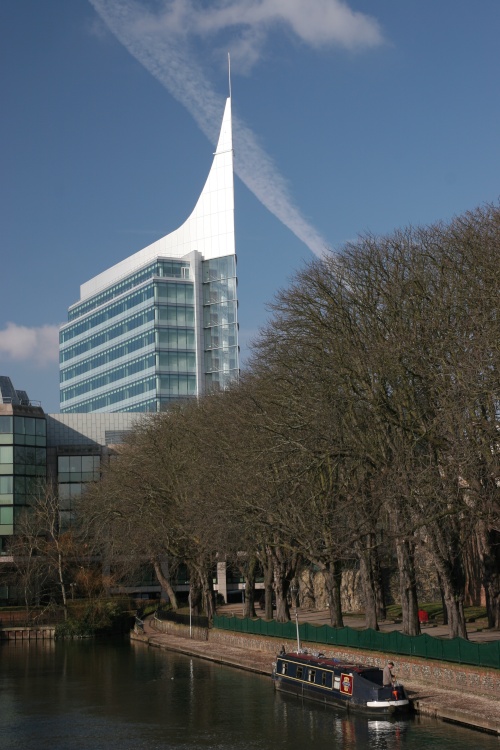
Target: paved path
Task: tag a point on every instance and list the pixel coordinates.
(474, 711)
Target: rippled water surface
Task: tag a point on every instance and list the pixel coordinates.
(126, 696)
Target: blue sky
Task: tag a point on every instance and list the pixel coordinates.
(349, 117)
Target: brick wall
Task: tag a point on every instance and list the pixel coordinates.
(407, 669)
(182, 631)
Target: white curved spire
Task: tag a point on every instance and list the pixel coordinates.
(209, 229)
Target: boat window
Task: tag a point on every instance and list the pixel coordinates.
(323, 678)
(336, 683)
(312, 675)
(299, 672)
(284, 668)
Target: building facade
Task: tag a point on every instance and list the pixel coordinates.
(23, 455)
(161, 325)
(64, 450)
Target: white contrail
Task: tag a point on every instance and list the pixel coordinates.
(164, 51)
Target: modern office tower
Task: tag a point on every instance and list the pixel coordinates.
(162, 324)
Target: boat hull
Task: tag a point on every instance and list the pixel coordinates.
(326, 681)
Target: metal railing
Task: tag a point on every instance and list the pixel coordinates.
(456, 650)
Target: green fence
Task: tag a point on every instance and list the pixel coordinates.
(455, 650)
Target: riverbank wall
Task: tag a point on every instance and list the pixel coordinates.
(477, 680)
(408, 670)
(45, 632)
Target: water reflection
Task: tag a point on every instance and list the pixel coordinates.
(125, 696)
(343, 731)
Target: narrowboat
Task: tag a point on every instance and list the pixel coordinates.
(329, 681)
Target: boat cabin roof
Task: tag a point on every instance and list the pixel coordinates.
(323, 661)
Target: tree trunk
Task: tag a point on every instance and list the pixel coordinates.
(268, 589)
(61, 582)
(455, 609)
(164, 582)
(473, 567)
(207, 589)
(332, 573)
(378, 587)
(408, 587)
(453, 596)
(489, 543)
(195, 593)
(251, 573)
(281, 586)
(370, 601)
(284, 569)
(451, 578)
(441, 592)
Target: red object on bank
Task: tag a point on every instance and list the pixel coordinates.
(423, 616)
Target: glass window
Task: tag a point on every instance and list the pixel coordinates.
(64, 491)
(19, 427)
(90, 468)
(219, 268)
(176, 338)
(29, 425)
(20, 485)
(221, 314)
(65, 519)
(63, 464)
(176, 316)
(40, 427)
(6, 515)
(64, 500)
(6, 485)
(88, 464)
(75, 464)
(178, 361)
(5, 424)
(6, 454)
(219, 291)
(41, 456)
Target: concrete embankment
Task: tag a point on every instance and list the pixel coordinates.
(457, 693)
(27, 634)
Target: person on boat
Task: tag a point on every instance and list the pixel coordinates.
(388, 676)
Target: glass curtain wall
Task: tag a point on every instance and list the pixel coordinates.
(220, 322)
(131, 347)
(23, 465)
(72, 474)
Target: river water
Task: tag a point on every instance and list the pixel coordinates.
(91, 695)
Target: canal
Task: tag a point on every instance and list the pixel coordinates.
(91, 695)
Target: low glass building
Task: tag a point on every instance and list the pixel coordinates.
(23, 455)
(63, 453)
(161, 325)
